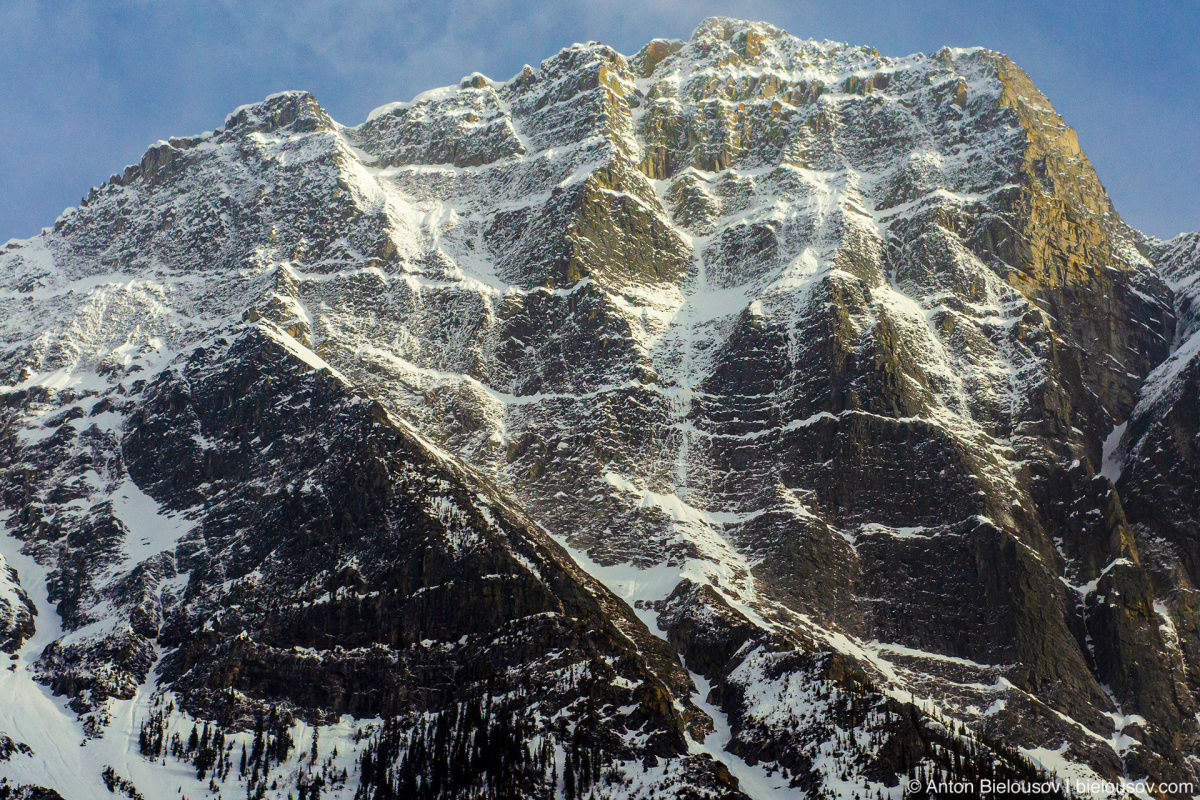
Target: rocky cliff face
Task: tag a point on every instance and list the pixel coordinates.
(750, 416)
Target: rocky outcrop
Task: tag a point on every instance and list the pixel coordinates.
(16, 610)
(1158, 463)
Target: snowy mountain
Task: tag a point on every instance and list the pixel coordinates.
(748, 417)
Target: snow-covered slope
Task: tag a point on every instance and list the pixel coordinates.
(807, 356)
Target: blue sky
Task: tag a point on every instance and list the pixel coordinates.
(85, 87)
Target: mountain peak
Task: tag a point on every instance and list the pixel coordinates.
(298, 110)
(657, 421)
